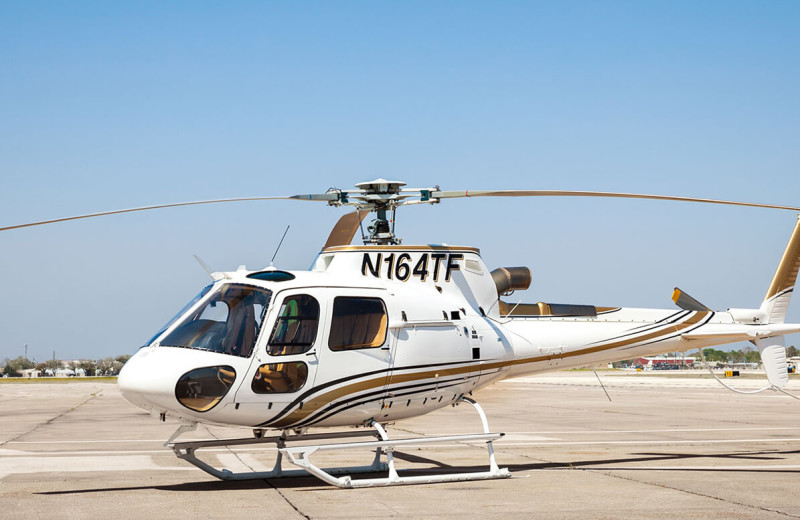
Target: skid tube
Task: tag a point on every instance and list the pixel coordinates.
(300, 456)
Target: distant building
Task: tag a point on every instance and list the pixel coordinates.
(666, 360)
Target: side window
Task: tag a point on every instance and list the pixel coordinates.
(296, 326)
(280, 378)
(357, 323)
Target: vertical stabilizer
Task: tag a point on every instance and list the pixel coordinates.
(773, 357)
(776, 302)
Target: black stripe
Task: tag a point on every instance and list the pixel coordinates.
(353, 405)
(315, 389)
(652, 326)
(673, 335)
(382, 393)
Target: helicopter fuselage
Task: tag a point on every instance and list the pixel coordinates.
(377, 333)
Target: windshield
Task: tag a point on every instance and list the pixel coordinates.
(180, 313)
(228, 322)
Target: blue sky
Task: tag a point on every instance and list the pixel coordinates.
(111, 105)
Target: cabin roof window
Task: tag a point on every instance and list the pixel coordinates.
(357, 323)
(272, 276)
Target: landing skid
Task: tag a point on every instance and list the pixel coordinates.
(300, 456)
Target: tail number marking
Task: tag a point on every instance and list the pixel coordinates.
(402, 267)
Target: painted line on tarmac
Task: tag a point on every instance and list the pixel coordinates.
(89, 441)
(23, 465)
(165, 451)
(525, 433)
(671, 430)
(653, 443)
(787, 468)
(513, 443)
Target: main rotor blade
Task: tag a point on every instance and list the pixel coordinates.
(144, 208)
(561, 193)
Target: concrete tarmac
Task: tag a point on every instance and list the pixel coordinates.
(671, 447)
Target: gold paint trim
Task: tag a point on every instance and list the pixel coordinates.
(786, 274)
(401, 248)
(327, 398)
(345, 229)
(543, 309)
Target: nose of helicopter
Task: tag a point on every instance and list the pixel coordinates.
(147, 381)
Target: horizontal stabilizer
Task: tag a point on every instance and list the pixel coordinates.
(686, 302)
(728, 334)
(722, 336)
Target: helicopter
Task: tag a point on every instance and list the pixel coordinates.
(376, 333)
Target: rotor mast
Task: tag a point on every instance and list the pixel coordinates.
(381, 196)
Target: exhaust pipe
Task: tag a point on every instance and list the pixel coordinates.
(510, 279)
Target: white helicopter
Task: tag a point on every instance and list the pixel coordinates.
(380, 332)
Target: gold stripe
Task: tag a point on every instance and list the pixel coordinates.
(329, 397)
(400, 248)
(325, 399)
(535, 309)
(786, 274)
(345, 229)
(630, 341)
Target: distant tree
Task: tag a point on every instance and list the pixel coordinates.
(751, 355)
(109, 366)
(16, 366)
(123, 359)
(792, 351)
(714, 355)
(89, 366)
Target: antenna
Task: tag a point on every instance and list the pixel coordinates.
(207, 269)
(272, 262)
(204, 265)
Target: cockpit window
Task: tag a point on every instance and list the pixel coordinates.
(180, 313)
(228, 322)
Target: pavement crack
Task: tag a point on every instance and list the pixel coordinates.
(52, 419)
(571, 467)
(690, 492)
(288, 501)
(276, 489)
